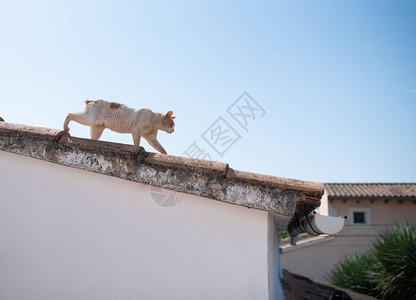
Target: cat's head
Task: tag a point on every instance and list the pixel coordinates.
(167, 122)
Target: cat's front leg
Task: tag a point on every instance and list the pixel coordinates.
(152, 140)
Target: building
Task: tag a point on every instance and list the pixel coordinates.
(370, 208)
(85, 219)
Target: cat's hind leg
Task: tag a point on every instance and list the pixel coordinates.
(68, 119)
(96, 131)
(83, 117)
(136, 137)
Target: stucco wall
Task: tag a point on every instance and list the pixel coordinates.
(71, 234)
(319, 258)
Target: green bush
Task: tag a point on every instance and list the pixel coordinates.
(352, 273)
(387, 271)
(395, 270)
(283, 234)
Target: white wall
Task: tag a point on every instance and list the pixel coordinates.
(71, 234)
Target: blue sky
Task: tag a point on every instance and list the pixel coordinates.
(336, 79)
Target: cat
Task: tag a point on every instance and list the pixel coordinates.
(142, 122)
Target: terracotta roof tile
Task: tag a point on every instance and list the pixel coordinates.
(285, 183)
(125, 149)
(300, 287)
(400, 191)
(54, 134)
(186, 163)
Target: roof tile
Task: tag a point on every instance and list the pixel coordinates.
(185, 163)
(371, 190)
(278, 182)
(54, 134)
(89, 144)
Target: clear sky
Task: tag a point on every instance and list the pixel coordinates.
(334, 81)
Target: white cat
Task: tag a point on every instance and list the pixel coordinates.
(142, 122)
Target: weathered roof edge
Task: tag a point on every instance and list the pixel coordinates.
(209, 179)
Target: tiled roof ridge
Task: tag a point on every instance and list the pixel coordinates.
(368, 183)
(209, 179)
(373, 191)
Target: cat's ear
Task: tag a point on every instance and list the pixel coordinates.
(169, 114)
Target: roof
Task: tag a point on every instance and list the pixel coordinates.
(215, 180)
(371, 191)
(296, 286)
(303, 240)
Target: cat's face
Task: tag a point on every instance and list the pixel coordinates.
(167, 122)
